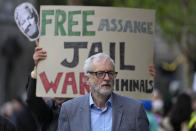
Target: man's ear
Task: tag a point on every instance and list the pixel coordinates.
(86, 80)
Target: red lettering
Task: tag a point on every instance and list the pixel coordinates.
(83, 84)
(50, 85)
(67, 82)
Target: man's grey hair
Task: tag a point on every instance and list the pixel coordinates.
(88, 62)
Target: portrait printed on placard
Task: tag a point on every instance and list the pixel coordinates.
(27, 20)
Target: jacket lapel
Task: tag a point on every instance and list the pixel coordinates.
(85, 115)
(117, 112)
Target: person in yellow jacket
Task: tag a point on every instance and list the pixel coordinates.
(192, 122)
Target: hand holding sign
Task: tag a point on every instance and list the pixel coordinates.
(27, 20)
(39, 54)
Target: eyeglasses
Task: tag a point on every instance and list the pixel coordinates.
(101, 74)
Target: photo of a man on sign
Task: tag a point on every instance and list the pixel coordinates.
(27, 20)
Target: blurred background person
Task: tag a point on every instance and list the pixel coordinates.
(179, 115)
(192, 122)
(153, 123)
(6, 125)
(7, 110)
(22, 116)
(157, 106)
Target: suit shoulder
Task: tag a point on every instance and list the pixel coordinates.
(76, 101)
(128, 101)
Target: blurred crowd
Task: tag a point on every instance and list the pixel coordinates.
(20, 115)
(177, 113)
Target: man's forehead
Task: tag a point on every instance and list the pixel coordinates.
(100, 59)
(102, 63)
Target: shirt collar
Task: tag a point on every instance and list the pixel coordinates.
(91, 102)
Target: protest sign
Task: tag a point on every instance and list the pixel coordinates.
(70, 34)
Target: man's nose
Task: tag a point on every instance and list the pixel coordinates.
(31, 21)
(106, 76)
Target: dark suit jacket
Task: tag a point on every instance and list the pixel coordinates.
(6, 125)
(24, 120)
(46, 113)
(127, 115)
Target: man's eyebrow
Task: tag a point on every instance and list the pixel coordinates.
(105, 71)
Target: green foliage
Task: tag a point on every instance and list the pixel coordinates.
(171, 15)
(175, 17)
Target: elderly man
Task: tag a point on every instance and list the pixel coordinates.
(102, 109)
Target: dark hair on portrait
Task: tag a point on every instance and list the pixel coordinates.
(32, 12)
